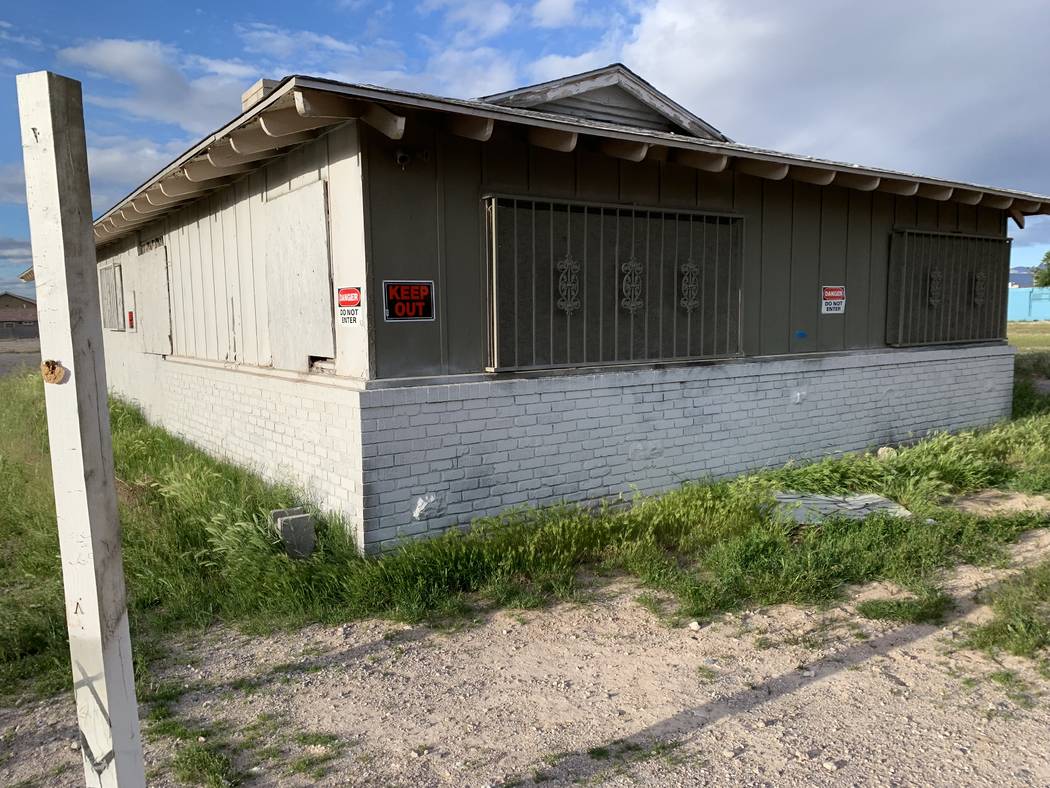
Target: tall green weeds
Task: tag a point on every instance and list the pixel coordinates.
(198, 547)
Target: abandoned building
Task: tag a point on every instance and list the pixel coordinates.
(18, 318)
(421, 310)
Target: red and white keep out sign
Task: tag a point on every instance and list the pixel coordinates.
(349, 296)
(832, 299)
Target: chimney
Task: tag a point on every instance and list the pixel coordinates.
(257, 92)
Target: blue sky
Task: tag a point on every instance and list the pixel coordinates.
(940, 88)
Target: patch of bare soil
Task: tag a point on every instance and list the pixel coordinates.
(990, 503)
(603, 692)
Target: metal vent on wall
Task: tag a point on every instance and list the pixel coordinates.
(575, 284)
(946, 287)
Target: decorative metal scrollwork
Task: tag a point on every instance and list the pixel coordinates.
(690, 286)
(936, 282)
(568, 285)
(980, 287)
(632, 286)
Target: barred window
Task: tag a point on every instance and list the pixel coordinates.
(576, 284)
(946, 287)
(111, 296)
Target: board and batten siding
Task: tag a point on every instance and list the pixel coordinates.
(425, 221)
(244, 260)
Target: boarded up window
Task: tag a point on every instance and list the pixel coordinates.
(575, 284)
(154, 308)
(111, 297)
(298, 278)
(946, 288)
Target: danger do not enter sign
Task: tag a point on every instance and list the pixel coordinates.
(349, 296)
(408, 300)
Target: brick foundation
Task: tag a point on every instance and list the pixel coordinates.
(481, 446)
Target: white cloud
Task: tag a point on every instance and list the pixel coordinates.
(192, 92)
(912, 86)
(1036, 232)
(12, 184)
(10, 35)
(15, 251)
(553, 13)
(117, 164)
(555, 66)
(15, 257)
(277, 43)
(468, 73)
(473, 19)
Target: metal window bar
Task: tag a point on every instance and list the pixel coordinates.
(946, 288)
(581, 284)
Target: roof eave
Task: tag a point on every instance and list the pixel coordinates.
(777, 164)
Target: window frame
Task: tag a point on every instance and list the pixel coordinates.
(494, 364)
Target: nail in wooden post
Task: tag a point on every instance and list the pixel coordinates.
(52, 117)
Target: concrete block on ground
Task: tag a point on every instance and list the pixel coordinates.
(298, 535)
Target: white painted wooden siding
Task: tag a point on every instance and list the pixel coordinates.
(153, 313)
(217, 251)
(609, 105)
(298, 275)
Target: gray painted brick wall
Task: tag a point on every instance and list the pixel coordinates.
(482, 447)
(306, 435)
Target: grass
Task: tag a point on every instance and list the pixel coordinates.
(1021, 620)
(198, 764)
(930, 608)
(198, 547)
(1030, 337)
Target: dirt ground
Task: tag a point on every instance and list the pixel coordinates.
(18, 353)
(600, 691)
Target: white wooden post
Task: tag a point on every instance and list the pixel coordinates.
(52, 117)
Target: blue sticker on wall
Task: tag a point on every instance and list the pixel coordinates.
(800, 334)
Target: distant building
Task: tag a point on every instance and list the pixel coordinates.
(17, 317)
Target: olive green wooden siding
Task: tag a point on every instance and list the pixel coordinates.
(426, 221)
